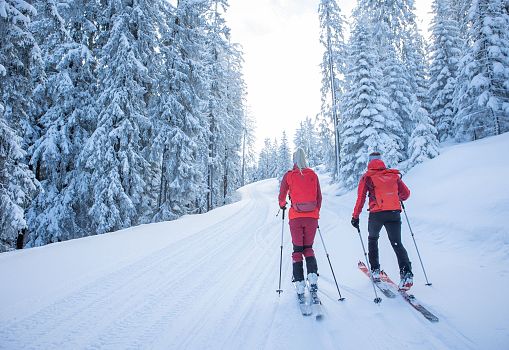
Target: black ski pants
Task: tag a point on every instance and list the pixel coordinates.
(391, 220)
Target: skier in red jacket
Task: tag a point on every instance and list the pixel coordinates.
(385, 190)
(306, 199)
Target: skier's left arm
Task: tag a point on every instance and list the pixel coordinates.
(318, 195)
(403, 191)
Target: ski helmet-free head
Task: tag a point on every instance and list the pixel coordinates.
(299, 158)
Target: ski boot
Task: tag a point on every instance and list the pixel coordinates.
(300, 287)
(407, 280)
(313, 285)
(375, 275)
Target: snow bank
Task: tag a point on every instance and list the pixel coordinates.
(464, 193)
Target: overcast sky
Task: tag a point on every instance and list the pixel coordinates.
(282, 53)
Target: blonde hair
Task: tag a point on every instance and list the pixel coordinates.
(299, 158)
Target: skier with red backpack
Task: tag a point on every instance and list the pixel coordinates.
(385, 190)
(303, 187)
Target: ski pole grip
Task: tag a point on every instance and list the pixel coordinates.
(402, 205)
(284, 213)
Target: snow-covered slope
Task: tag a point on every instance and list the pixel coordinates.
(209, 281)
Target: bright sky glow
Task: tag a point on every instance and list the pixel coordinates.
(282, 53)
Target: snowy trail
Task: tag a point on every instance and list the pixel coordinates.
(209, 282)
(136, 303)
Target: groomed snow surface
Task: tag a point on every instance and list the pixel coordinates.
(209, 281)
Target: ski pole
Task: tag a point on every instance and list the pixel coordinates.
(333, 275)
(377, 299)
(413, 237)
(279, 290)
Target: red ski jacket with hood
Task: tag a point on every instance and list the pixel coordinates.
(385, 200)
(305, 194)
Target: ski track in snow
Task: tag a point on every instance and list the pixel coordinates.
(215, 288)
(162, 294)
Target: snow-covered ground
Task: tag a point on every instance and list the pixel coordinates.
(209, 281)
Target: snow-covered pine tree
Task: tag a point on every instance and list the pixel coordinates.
(80, 62)
(460, 10)
(20, 67)
(180, 131)
(482, 94)
(113, 155)
(397, 88)
(397, 25)
(52, 153)
(248, 153)
(423, 143)
(445, 54)
(235, 98)
(306, 138)
(67, 101)
(332, 68)
(313, 144)
(369, 122)
(265, 160)
(284, 161)
(325, 142)
(391, 19)
(19, 61)
(17, 185)
(401, 54)
(416, 68)
(274, 158)
(299, 138)
(217, 50)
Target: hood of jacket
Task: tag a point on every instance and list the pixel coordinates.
(376, 164)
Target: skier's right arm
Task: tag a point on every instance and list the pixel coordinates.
(283, 191)
(361, 197)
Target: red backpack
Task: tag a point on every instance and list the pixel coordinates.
(385, 183)
(303, 187)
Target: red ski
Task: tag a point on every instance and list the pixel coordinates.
(409, 298)
(386, 290)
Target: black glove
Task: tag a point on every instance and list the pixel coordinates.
(355, 222)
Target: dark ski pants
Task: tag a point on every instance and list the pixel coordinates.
(392, 222)
(303, 232)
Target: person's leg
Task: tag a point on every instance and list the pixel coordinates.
(375, 223)
(297, 232)
(393, 227)
(310, 226)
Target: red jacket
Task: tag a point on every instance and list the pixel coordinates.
(366, 185)
(286, 186)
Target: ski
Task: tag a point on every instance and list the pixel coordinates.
(316, 305)
(304, 304)
(305, 307)
(382, 285)
(410, 298)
